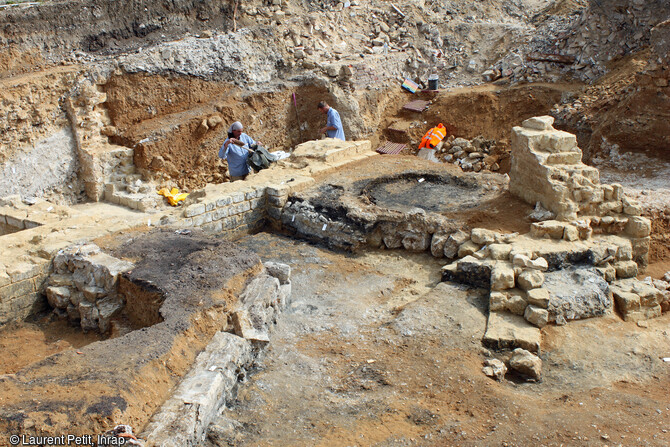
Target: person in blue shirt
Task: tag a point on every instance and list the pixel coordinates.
(236, 150)
(333, 127)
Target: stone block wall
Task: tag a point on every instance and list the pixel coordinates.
(12, 221)
(20, 288)
(547, 168)
(239, 211)
(212, 380)
(553, 280)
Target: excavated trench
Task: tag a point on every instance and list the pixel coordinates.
(175, 126)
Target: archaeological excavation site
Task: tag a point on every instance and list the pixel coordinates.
(193, 255)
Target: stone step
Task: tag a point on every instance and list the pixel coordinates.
(138, 201)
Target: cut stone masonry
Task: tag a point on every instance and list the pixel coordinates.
(84, 284)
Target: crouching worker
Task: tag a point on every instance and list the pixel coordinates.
(236, 149)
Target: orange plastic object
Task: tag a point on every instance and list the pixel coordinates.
(433, 136)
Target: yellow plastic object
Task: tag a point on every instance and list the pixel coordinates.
(173, 196)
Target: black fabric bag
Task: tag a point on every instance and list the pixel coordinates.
(260, 159)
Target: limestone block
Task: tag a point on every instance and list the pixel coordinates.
(641, 250)
(278, 190)
(89, 316)
(507, 331)
(624, 250)
(280, 271)
(626, 301)
(245, 328)
(468, 248)
(559, 141)
(649, 295)
(194, 210)
(661, 284)
(17, 289)
(536, 315)
(570, 233)
(608, 272)
(284, 294)
(454, 241)
(274, 212)
(497, 301)
(82, 278)
(107, 308)
(500, 251)
(520, 259)
(583, 229)
(92, 293)
(539, 123)
(610, 207)
(631, 207)
(236, 197)
(22, 271)
(549, 228)
(482, 253)
(530, 279)
(583, 195)
(494, 368)
(538, 297)
(392, 241)
(538, 263)
(502, 276)
(482, 236)
(450, 272)
(565, 158)
(516, 303)
(638, 227)
(58, 297)
(278, 201)
(220, 213)
(106, 270)
(526, 363)
(76, 297)
(437, 244)
(416, 241)
(626, 269)
(261, 299)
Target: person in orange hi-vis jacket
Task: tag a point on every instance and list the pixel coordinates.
(433, 136)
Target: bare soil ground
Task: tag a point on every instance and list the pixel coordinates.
(28, 342)
(373, 350)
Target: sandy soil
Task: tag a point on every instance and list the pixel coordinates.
(373, 351)
(28, 342)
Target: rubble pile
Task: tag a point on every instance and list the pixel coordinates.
(582, 43)
(608, 30)
(478, 154)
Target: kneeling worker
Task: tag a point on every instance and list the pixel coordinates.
(236, 150)
(334, 124)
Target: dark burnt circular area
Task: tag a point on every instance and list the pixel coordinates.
(430, 192)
